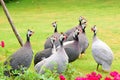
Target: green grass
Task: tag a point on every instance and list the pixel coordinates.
(39, 14)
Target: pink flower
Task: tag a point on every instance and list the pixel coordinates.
(114, 73)
(61, 77)
(99, 76)
(108, 78)
(117, 77)
(93, 76)
(81, 78)
(88, 75)
(93, 73)
(2, 44)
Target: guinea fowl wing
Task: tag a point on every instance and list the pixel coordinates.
(21, 59)
(57, 61)
(42, 54)
(70, 31)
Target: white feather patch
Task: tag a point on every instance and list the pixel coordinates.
(66, 43)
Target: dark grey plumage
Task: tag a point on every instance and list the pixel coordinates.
(58, 59)
(56, 34)
(72, 48)
(22, 58)
(101, 52)
(45, 53)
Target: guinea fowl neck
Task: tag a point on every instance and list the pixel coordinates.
(53, 45)
(28, 38)
(27, 41)
(83, 30)
(94, 34)
(55, 29)
(76, 37)
(61, 43)
(80, 23)
(53, 48)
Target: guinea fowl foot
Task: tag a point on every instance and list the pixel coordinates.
(80, 56)
(97, 67)
(105, 71)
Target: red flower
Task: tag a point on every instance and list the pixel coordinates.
(108, 78)
(2, 44)
(61, 77)
(114, 73)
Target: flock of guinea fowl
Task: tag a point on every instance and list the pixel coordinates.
(60, 49)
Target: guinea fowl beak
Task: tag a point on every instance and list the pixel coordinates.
(31, 33)
(53, 24)
(91, 29)
(65, 37)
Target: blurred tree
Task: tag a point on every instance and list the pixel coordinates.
(11, 23)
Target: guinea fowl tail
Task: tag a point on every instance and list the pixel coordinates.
(106, 67)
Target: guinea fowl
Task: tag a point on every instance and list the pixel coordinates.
(58, 59)
(56, 34)
(83, 41)
(46, 52)
(101, 52)
(21, 59)
(72, 48)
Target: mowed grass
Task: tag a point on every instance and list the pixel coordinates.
(38, 15)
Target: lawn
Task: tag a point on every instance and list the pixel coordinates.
(38, 15)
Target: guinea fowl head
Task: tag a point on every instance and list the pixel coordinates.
(54, 24)
(29, 34)
(94, 29)
(80, 19)
(62, 38)
(82, 23)
(76, 33)
(53, 39)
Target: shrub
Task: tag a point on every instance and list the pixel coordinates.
(69, 74)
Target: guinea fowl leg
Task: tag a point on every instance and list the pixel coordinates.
(81, 54)
(97, 67)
